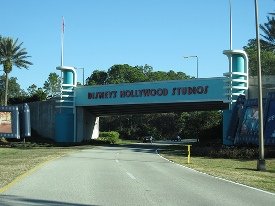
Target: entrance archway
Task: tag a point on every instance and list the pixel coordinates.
(146, 97)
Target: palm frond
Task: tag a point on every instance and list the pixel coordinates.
(269, 30)
(12, 51)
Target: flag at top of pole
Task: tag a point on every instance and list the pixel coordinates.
(62, 38)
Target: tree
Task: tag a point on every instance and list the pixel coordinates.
(32, 89)
(97, 78)
(267, 50)
(167, 125)
(12, 54)
(124, 73)
(14, 89)
(171, 75)
(35, 94)
(269, 32)
(39, 95)
(267, 58)
(194, 124)
(53, 85)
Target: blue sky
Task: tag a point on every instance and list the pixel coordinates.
(101, 33)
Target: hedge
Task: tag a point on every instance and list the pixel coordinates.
(109, 137)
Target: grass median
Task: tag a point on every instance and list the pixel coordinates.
(241, 171)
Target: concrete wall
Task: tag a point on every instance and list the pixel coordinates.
(268, 85)
(87, 125)
(42, 116)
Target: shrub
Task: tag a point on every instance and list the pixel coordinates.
(109, 137)
(232, 152)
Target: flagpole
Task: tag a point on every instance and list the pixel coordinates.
(230, 42)
(62, 40)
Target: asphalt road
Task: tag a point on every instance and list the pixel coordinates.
(133, 175)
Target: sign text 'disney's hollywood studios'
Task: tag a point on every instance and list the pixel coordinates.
(139, 93)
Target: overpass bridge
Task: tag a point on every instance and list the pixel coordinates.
(153, 97)
(79, 107)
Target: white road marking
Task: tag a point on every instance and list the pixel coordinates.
(130, 175)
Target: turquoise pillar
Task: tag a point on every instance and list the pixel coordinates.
(65, 128)
(68, 78)
(238, 71)
(227, 114)
(236, 84)
(238, 63)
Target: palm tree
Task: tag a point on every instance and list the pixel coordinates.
(11, 54)
(269, 32)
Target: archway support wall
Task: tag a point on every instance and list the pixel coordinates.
(87, 125)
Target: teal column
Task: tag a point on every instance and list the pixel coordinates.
(64, 127)
(68, 78)
(227, 114)
(236, 84)
(238, 71)
(65, 117)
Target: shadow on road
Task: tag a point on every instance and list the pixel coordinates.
(135, 147)
(116, 149)
(149, 147)
(9, 200)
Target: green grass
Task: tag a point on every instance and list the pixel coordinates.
(241, 171)
(16, 161)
